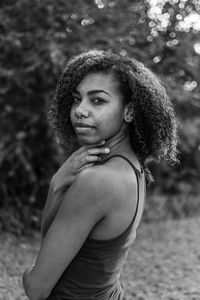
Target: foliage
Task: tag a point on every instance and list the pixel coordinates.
(37, 39)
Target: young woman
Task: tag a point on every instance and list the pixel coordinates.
(113, 116)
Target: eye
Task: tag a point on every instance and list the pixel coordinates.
(97, 100)
(75, 99)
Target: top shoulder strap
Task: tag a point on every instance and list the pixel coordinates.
(141, 190)
(138, 172)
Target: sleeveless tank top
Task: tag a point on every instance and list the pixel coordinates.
(94, 273)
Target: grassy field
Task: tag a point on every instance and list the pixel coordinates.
(163, 264)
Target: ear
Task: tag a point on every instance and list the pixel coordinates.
(128, 112)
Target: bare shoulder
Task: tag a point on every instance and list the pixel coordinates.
(100, 180)
(89, 195)
(111, 181)
(117, 186)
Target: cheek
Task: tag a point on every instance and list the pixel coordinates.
(110, 119)
(71, 115)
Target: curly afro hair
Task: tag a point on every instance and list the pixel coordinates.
(153, 132)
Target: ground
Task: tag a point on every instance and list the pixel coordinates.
(163, 264)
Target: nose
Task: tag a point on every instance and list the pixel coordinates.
(81, 111)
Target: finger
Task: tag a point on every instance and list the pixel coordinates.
(86, 166)
(89, 165)
(91, 155)
(88, 159)
(85, 160)
(93, 151)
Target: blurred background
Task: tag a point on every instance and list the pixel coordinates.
(36, 40)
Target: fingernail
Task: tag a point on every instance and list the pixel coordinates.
(107, 150)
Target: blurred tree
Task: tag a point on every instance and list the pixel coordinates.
(37, 38)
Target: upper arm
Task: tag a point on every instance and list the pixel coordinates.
(51, 207)
(84, 204)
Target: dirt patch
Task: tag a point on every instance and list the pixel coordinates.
(163, 264)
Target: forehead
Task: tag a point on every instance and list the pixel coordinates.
(98, 80)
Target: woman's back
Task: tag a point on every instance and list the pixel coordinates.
(94, 272)
(123, 182)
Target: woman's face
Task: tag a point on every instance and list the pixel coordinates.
(97, 103)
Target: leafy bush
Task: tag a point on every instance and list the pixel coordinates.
(37, 38)
(27, 161)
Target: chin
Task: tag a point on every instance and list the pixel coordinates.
(87, 141)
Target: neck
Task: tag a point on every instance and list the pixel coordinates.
(117, 144)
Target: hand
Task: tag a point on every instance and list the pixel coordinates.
(84, 157)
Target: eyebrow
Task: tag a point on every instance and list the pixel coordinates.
(94, 92)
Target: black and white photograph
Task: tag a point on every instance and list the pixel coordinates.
(100, 150)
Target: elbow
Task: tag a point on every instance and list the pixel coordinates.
(35, 293)
(33, 289)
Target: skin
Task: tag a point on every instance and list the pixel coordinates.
(63, 179)
(93, 211)
(104, 110)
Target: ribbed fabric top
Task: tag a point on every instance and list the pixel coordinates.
(94, 272)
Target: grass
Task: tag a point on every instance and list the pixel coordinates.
(163, 264)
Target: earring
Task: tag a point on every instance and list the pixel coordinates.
(128, 118)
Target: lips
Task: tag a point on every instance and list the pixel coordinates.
(83, 125)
